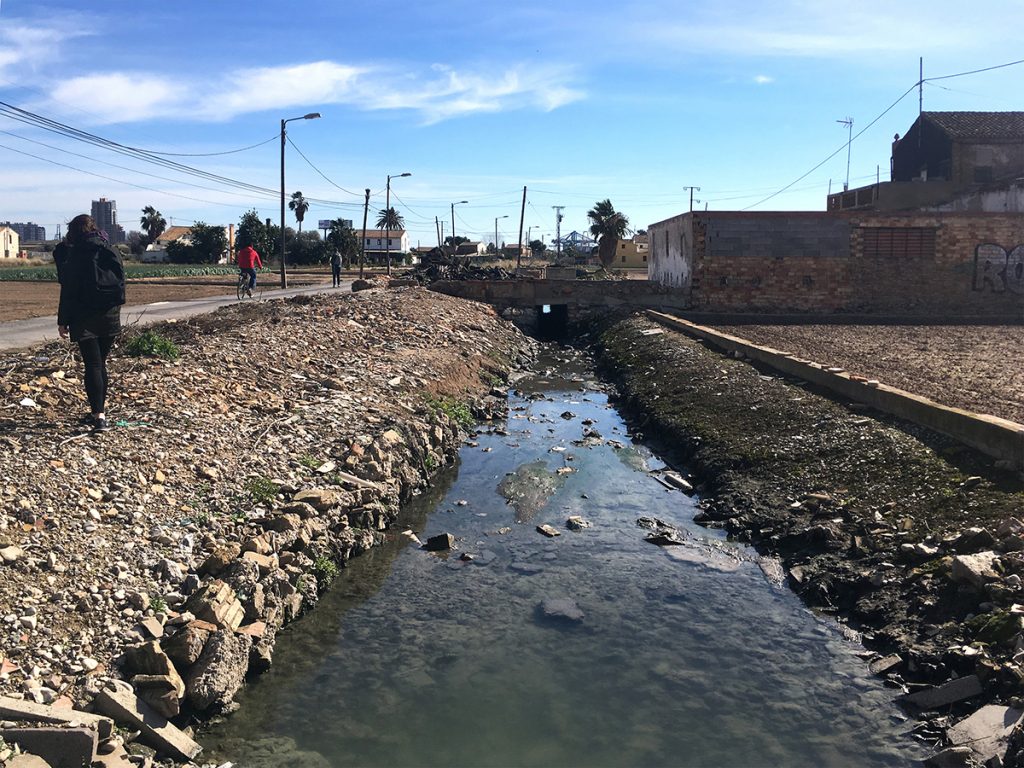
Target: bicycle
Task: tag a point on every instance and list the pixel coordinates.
(242, 289)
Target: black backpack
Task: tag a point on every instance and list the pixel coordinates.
(102, 284)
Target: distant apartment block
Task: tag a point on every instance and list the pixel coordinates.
(104, 213)
(28, 232)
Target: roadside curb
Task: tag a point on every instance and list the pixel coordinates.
(999, 438)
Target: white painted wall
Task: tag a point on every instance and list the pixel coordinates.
(670, 255)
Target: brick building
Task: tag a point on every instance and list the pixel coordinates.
(955, 161)
(911, 263)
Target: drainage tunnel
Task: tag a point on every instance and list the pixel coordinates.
(552, 320)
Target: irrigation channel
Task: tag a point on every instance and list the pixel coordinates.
(682, 655)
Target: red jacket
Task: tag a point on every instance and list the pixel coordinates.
(248, 258)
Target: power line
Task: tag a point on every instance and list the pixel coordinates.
(844, 146)
(324, 177)
(973, 71)
(110, 178)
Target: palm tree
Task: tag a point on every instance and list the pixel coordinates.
(300, 205)
(390, 219)
(608, 226)
(152, 222)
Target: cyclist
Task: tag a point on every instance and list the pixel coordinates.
(248, 260)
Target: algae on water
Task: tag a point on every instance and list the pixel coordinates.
(529, 488)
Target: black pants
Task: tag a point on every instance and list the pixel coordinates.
(94, 355)
(336, 274)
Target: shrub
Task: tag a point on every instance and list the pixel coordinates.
(260, 489)
(325, 569)
(456, 410)
(151, 344)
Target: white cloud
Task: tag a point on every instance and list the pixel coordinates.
(121, 96)
(763, 79)
(21, 47)
(440, 94)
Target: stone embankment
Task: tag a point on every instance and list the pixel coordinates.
(909, 539)
(145, 571)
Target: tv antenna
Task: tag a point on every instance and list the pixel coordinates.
(848, 122)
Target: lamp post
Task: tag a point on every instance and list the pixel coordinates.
(387, 215)
(496, 232)
(310, 116)
(453, 221)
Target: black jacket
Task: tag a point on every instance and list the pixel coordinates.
(78, 301)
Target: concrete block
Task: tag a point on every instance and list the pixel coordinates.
(59, 747)
(948, 693)
(986, 732)
(18, 709)
(156, 731)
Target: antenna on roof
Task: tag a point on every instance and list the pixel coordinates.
(920, 84)
(848, 122)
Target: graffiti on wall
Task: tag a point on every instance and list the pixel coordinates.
(999, 270)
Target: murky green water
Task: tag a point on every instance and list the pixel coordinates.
(685, 656)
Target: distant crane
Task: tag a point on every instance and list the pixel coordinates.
(558, 228)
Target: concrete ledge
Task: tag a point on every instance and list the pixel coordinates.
(999, 438)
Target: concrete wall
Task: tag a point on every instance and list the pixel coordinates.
(670, 252)
(581, 293)
(1007, 200)
(1004, 158)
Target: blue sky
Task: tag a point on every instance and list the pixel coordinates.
(632, 101)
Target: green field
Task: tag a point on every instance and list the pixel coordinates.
(22, 274)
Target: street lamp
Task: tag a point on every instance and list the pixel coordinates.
(387, 214)
(310, 116)
(496, 232)
(453, 221)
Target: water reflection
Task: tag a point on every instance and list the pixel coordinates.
(684, 656)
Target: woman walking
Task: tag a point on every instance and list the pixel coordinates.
(91, 279)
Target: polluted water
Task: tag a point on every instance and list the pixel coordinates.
(582, 619)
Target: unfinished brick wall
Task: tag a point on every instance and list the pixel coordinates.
(771, 262)
(934, 264)
(972, 268)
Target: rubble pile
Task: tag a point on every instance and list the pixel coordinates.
(146, 570)
(440, 266)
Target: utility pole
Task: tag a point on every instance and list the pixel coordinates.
(558, 229)
(362, 244)
(437, 228)
(848, 122)
(691, 195)
(519, 242)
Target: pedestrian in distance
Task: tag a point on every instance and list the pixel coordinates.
(336, 269)
(248, 260)
(91, 277)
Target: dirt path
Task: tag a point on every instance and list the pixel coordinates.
(22, 300)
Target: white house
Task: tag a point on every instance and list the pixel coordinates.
(10, 243)
(377, 243)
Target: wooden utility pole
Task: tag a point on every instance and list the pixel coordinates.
(437, 227)
(519, 242)
(362, 239)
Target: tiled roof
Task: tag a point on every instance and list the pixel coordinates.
(979, 125)
(171, 234)
(392, 233)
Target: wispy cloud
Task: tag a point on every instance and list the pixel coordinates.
(23, 46)
(763, 79)
(802, 28)
(441, 93)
